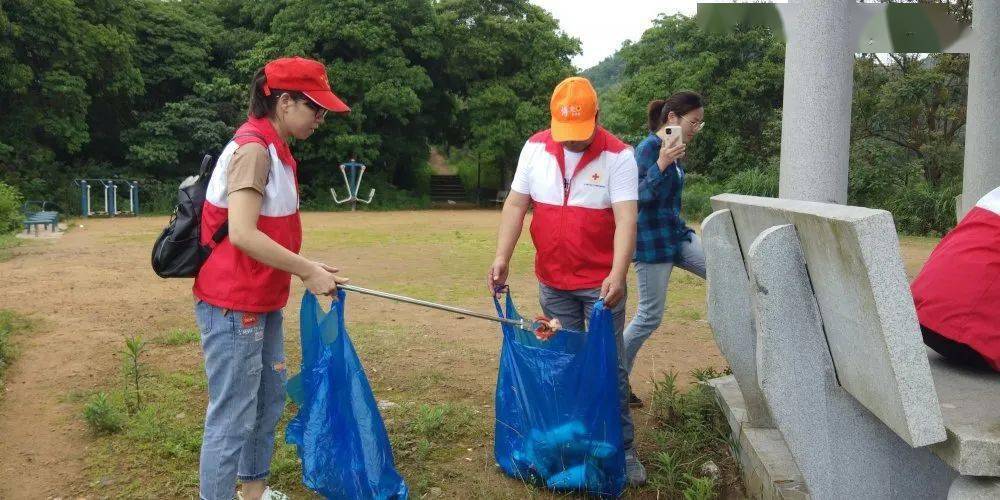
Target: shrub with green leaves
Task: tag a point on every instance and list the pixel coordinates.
(10, 208)
(102, 416)
(696, 198)
(754, 182)
(690, 431)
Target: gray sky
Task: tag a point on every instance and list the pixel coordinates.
(603, 26)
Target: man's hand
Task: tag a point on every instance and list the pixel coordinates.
(613, 290)
(497, 276)
(322, 279)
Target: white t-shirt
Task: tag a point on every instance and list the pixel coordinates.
(572, 159)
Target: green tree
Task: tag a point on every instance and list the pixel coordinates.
(740, 74)
(607, 74)
(381, 58)
(908, 138)
(57, 58)
(915, 103)
(505, 57)
(173, 137)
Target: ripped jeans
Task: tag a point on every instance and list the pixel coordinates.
(245, 366)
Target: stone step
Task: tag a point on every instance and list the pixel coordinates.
(448, 190)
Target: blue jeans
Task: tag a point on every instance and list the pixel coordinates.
(653, 280)
(245, 366)
(572, 308)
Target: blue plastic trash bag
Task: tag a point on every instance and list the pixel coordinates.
(338, 430)
(558, 419)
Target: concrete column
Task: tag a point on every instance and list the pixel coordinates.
(819, 80)
(982, 142)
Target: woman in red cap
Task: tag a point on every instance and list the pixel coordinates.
(244, 284)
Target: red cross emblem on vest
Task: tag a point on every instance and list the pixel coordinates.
(596, 177)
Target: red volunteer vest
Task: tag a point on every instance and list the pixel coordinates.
(573, 227)
(229, 278)
(957, 293)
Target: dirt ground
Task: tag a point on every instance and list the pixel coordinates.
(93, 287)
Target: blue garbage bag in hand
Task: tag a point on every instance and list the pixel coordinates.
(338, 431)
(558, 416)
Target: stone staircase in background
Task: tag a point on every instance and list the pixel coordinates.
(448, 190)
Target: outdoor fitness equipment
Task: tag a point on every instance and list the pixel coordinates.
(110, 190)
(357, 173)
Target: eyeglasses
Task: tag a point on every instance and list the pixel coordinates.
(697, 126)
(320, 111)
(317, 109)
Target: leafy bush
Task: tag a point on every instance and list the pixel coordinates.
(696, 199)
(690, 432)
(754, 182)
(474, 172)
(918, 207)
(102, 416)
(387, 197)
(10, 208)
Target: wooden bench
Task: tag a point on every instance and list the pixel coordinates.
(810, 304)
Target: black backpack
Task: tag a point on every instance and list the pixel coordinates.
(178, 252)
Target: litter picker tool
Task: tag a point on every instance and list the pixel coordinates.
(543, 324)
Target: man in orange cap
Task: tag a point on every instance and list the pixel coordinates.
(583, 183)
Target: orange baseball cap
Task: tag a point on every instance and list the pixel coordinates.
(306, 76)
(574, 110)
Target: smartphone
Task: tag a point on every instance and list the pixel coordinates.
(671, 136)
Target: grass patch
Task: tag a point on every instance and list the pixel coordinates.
(156, 417)
(8, 242)
(428, 437)
(11, 324)
(166, 431)
(693, 455)
(178, 337)
(689, 314)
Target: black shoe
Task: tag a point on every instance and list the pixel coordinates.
(634, 401)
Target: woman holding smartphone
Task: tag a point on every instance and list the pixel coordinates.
(664, 240)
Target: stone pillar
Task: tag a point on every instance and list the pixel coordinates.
(982, 142)
(819, 81)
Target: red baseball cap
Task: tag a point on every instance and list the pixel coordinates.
(306, 76)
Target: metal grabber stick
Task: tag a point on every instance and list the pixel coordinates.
(522, 324)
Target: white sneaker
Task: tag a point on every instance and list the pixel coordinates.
(268, 494)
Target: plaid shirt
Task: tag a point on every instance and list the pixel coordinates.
(660, 227)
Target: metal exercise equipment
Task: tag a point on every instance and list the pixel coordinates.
(357, 172)
(109, 188)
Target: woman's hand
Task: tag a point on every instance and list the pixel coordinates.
(322, 279)
(669, 155)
